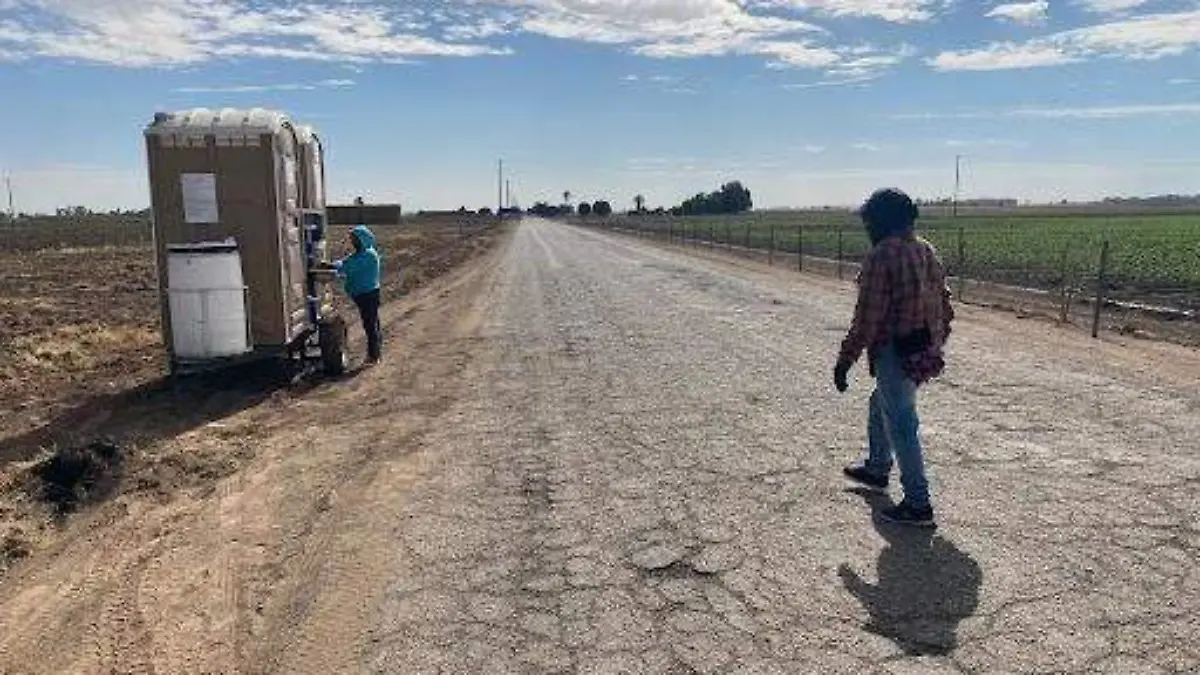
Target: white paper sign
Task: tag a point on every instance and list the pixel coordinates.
(199, 197)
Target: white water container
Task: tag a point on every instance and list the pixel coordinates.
(207, 299)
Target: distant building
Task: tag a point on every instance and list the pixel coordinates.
(364, 214)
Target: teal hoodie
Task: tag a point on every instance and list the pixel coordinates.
(361, 270)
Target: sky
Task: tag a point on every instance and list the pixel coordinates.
(807, 102)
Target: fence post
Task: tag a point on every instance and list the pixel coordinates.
(1064, 314)
(800, 247)
(1101, 278)
(962, 262)
(771, 250)
(712, 235)
(839, 252)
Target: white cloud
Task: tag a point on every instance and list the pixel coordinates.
(852, 81)
(1109, 112)
(1077, 113)
(1146, 37)
(668, 83)
(256, 88)
(1111, 6)
(863, 67)
(1003, 56)
(1181, 80)
(134, 33)
(866, 147)
(1028, 13)
(485, 28)
(167, 33)
(676, 29)
(899, 11)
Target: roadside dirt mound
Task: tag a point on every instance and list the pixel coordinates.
(75, 476)
(13, 547)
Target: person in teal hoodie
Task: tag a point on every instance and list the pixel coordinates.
(361, 272)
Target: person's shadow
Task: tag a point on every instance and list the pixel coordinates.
(926, 586)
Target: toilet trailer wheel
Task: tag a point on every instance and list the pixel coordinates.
(331, 338)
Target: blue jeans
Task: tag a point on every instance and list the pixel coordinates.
(893, 428)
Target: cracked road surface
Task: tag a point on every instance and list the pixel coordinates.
(587, 453)
(641, 475)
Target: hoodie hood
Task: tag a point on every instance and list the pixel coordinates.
(364, 237)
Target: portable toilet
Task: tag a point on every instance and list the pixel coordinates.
(239, 225)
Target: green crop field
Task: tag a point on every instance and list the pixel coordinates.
(1152, 258)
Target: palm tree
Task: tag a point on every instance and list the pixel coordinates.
(567, 196)
(640, 203)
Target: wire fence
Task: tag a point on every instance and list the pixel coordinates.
(1132, 274)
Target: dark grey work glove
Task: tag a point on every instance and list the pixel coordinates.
(840, 371)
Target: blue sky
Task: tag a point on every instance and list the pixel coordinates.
(806, 101)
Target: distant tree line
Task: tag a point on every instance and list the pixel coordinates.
(1156, 200)
(733, 197)
(599, 208)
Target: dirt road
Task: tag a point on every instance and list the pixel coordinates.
(590, 454)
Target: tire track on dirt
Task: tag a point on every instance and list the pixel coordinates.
(273, 568)
(329, 629)
(123, 643)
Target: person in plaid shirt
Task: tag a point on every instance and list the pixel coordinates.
(902, 321)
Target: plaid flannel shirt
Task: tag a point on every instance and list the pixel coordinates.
(902, 289)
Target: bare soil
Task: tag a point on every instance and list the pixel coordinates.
(87, 412)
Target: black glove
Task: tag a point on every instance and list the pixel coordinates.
(840, 371)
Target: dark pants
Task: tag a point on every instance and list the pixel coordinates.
(368, 309)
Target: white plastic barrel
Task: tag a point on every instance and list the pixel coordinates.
(207, 298)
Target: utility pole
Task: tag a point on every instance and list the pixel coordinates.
(507, 194)
(8, 184)
(957, 182)
(500, 191)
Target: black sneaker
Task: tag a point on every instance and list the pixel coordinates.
(905, 514)
(860, 475)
